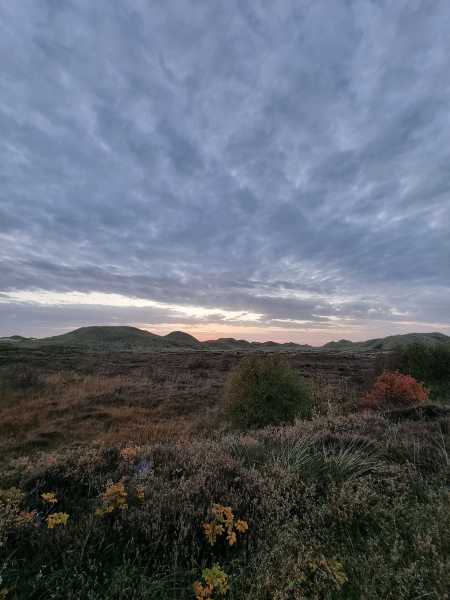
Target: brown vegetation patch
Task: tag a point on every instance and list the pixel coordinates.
(121, 397)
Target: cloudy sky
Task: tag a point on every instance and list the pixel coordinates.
(270, 169)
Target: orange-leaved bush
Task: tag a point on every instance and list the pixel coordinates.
(395, 390)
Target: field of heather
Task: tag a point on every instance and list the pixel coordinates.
(122, 477)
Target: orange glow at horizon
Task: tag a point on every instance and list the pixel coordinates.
(211, 331)
(314, 336)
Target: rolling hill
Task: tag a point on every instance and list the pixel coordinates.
(183, 339)
(389, 343)
(121, 338)
(100, 338)
(15, 339)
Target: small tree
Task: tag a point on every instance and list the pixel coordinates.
(266, 391)
(395, 390)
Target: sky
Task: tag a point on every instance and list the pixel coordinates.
(270, 169)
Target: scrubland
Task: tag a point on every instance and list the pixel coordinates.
(131, 483)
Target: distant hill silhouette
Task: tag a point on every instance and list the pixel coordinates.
(390, 342)
(118, 338)
(181, 338)
(101, 338)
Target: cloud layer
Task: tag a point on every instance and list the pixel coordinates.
(285, 162)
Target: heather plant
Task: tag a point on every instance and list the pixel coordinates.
(339, 508)
(265, 391)
(10, 502)
(311, 576)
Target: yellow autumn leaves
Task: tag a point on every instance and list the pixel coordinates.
(53, 519)
(57, 519)
(223, 523)
(115, 497)
(49, 497)
(215, 581)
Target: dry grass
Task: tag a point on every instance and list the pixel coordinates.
(72, 408)
(124, 398)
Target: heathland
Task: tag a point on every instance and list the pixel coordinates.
(122, 474)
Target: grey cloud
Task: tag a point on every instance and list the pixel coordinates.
(182, 152)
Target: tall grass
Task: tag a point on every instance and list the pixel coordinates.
(341, 461)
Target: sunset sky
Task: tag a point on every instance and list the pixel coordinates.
(263, 169)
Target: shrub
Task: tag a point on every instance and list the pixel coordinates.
(265, 391)
(395, 390)
(430, 364)
(425, 363)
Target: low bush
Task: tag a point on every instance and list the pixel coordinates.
(425, 363)
(265, 391)
(395, 390)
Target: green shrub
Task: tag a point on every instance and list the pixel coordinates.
(265, 391)
(425, 363)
